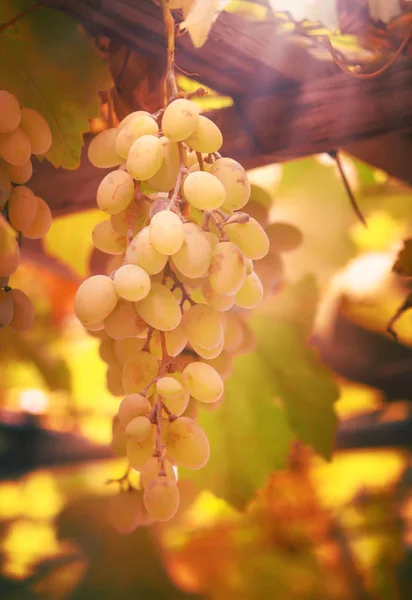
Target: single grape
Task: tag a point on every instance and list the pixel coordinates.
(42, 221)
(161, 498)
(233, 333)
(270, 270)
(160, 309)
(152, 468)
(166, 232)
(141, 252)
(23, 311)
(106, 350)
(107, 240)
(131, 116)
(5, 188)
(142, 124)
(22, 208)
(6, 308)
(165, 179)
(187, 444)
(37, 130)
(203, 382)
(115, 192)
(102, 150)
(208, 353)
(235, 181)
(132, 406)
(207, 136)
(139, 428)
(123, 322)
(139, 371)
(212, 238)
(134, 217)
(174, 393)
(114, 380)
(217, 302)
(95, 299)
(203, 190)
(180, 119)
(203, 326)
(227, 269)
(139, 453)
(223, 364)
(132, 282)
(250, 237)
(9, 255)
(194, 257)
(250, 294)
(15, 147)
(20, 174)
(145, 157)
(10, 112)
(126, 511)
(124, 348)
(176, 341)
(283, 237)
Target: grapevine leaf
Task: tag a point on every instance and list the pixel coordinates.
(403, 263)
(50, 65)
(200, 19)
(384, 10)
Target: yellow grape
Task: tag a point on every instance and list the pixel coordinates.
(250, 294)
(160, 309)
(6, 308)
(234, 333)
(235, 181)
(217, 302)
(187, 444)
(145, 157)
(95, 299)
(211, 238)
(208, 353)
(165, 179)
(169, 388)
(194, 257)
(107, 240)
(126, 511)
(128, 118)
(141, 252)
(20, 174)
(106, 349)
(5, 188)
(115, 192)
(22, 208)
(132, 406)
(132, 282)
(10, 112)
(139, 428)
(283, 237)
(134, 217)
(176, 341)
(250, 237)
(139, 453)
(114, 380)
(166, 232)
(15, 147)
(152, 468)
(223, 364)
(161, 498)
(203, 190)
(203, 326)
(174, 393)
(227, 269)
(23, 311)
(42, 221)
(270, 271)
(124, 348)
(206, 138)
(102, 150)
(203, 382)
(138, 372)
(180, 119)
(123, 322)
(9, 258)
(37, 130)
(137, 126)
(119, 439)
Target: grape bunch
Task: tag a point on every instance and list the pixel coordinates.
(170, 310)
(23, 131)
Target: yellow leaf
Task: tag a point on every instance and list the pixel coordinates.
(200, 20)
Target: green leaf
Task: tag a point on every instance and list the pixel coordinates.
(50, 65)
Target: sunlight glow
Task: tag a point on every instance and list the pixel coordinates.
(34, 401)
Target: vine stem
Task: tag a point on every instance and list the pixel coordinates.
(348, 189)
(171, 85)
(19, 16)
(174, 200)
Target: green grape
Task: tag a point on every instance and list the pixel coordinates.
(160, 309)
(126, 511)
(107, 240)
(145, 157)
(166, 232)
(227, 269)
(223, 364)
(37, 130)
(139, 453)
(123, 322)
(174, 393)
(194, 257)
(187, 444)
(134, 217)
(131, 116)
(10, 112)
(203, 190)
(132, 282)
(250, 294)
(106, 350)
(15, 147)
(119, 439)
(165, 179)
(139, 371)
(5, 188)
(233, 333)
(139, 125)
(115, 192)
(124, 348)
(102, 150)
(161, 498)
(6, 308)
(235, 181)
(203, 326)
(139, 428)
(250, 237)
(180, 119)
(206, 138)
(22, 208)
(283, 237)
(208, 353)
(270, 272)
(23, 311)
(141, 252)
(114, 380)
(217, 302)
(20, 174)
(41, 222)
(175, 340)
(95, 299)
(203, 382)
(152, 468)
(132, 406)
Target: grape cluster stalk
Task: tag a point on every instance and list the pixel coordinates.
(23, 132)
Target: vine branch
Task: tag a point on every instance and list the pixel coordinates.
(19, 16)
(171, 85)
(335, 155)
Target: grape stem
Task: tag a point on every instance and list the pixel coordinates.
(174, 204)
(200, 161)
(171, 85)
(179, 285)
